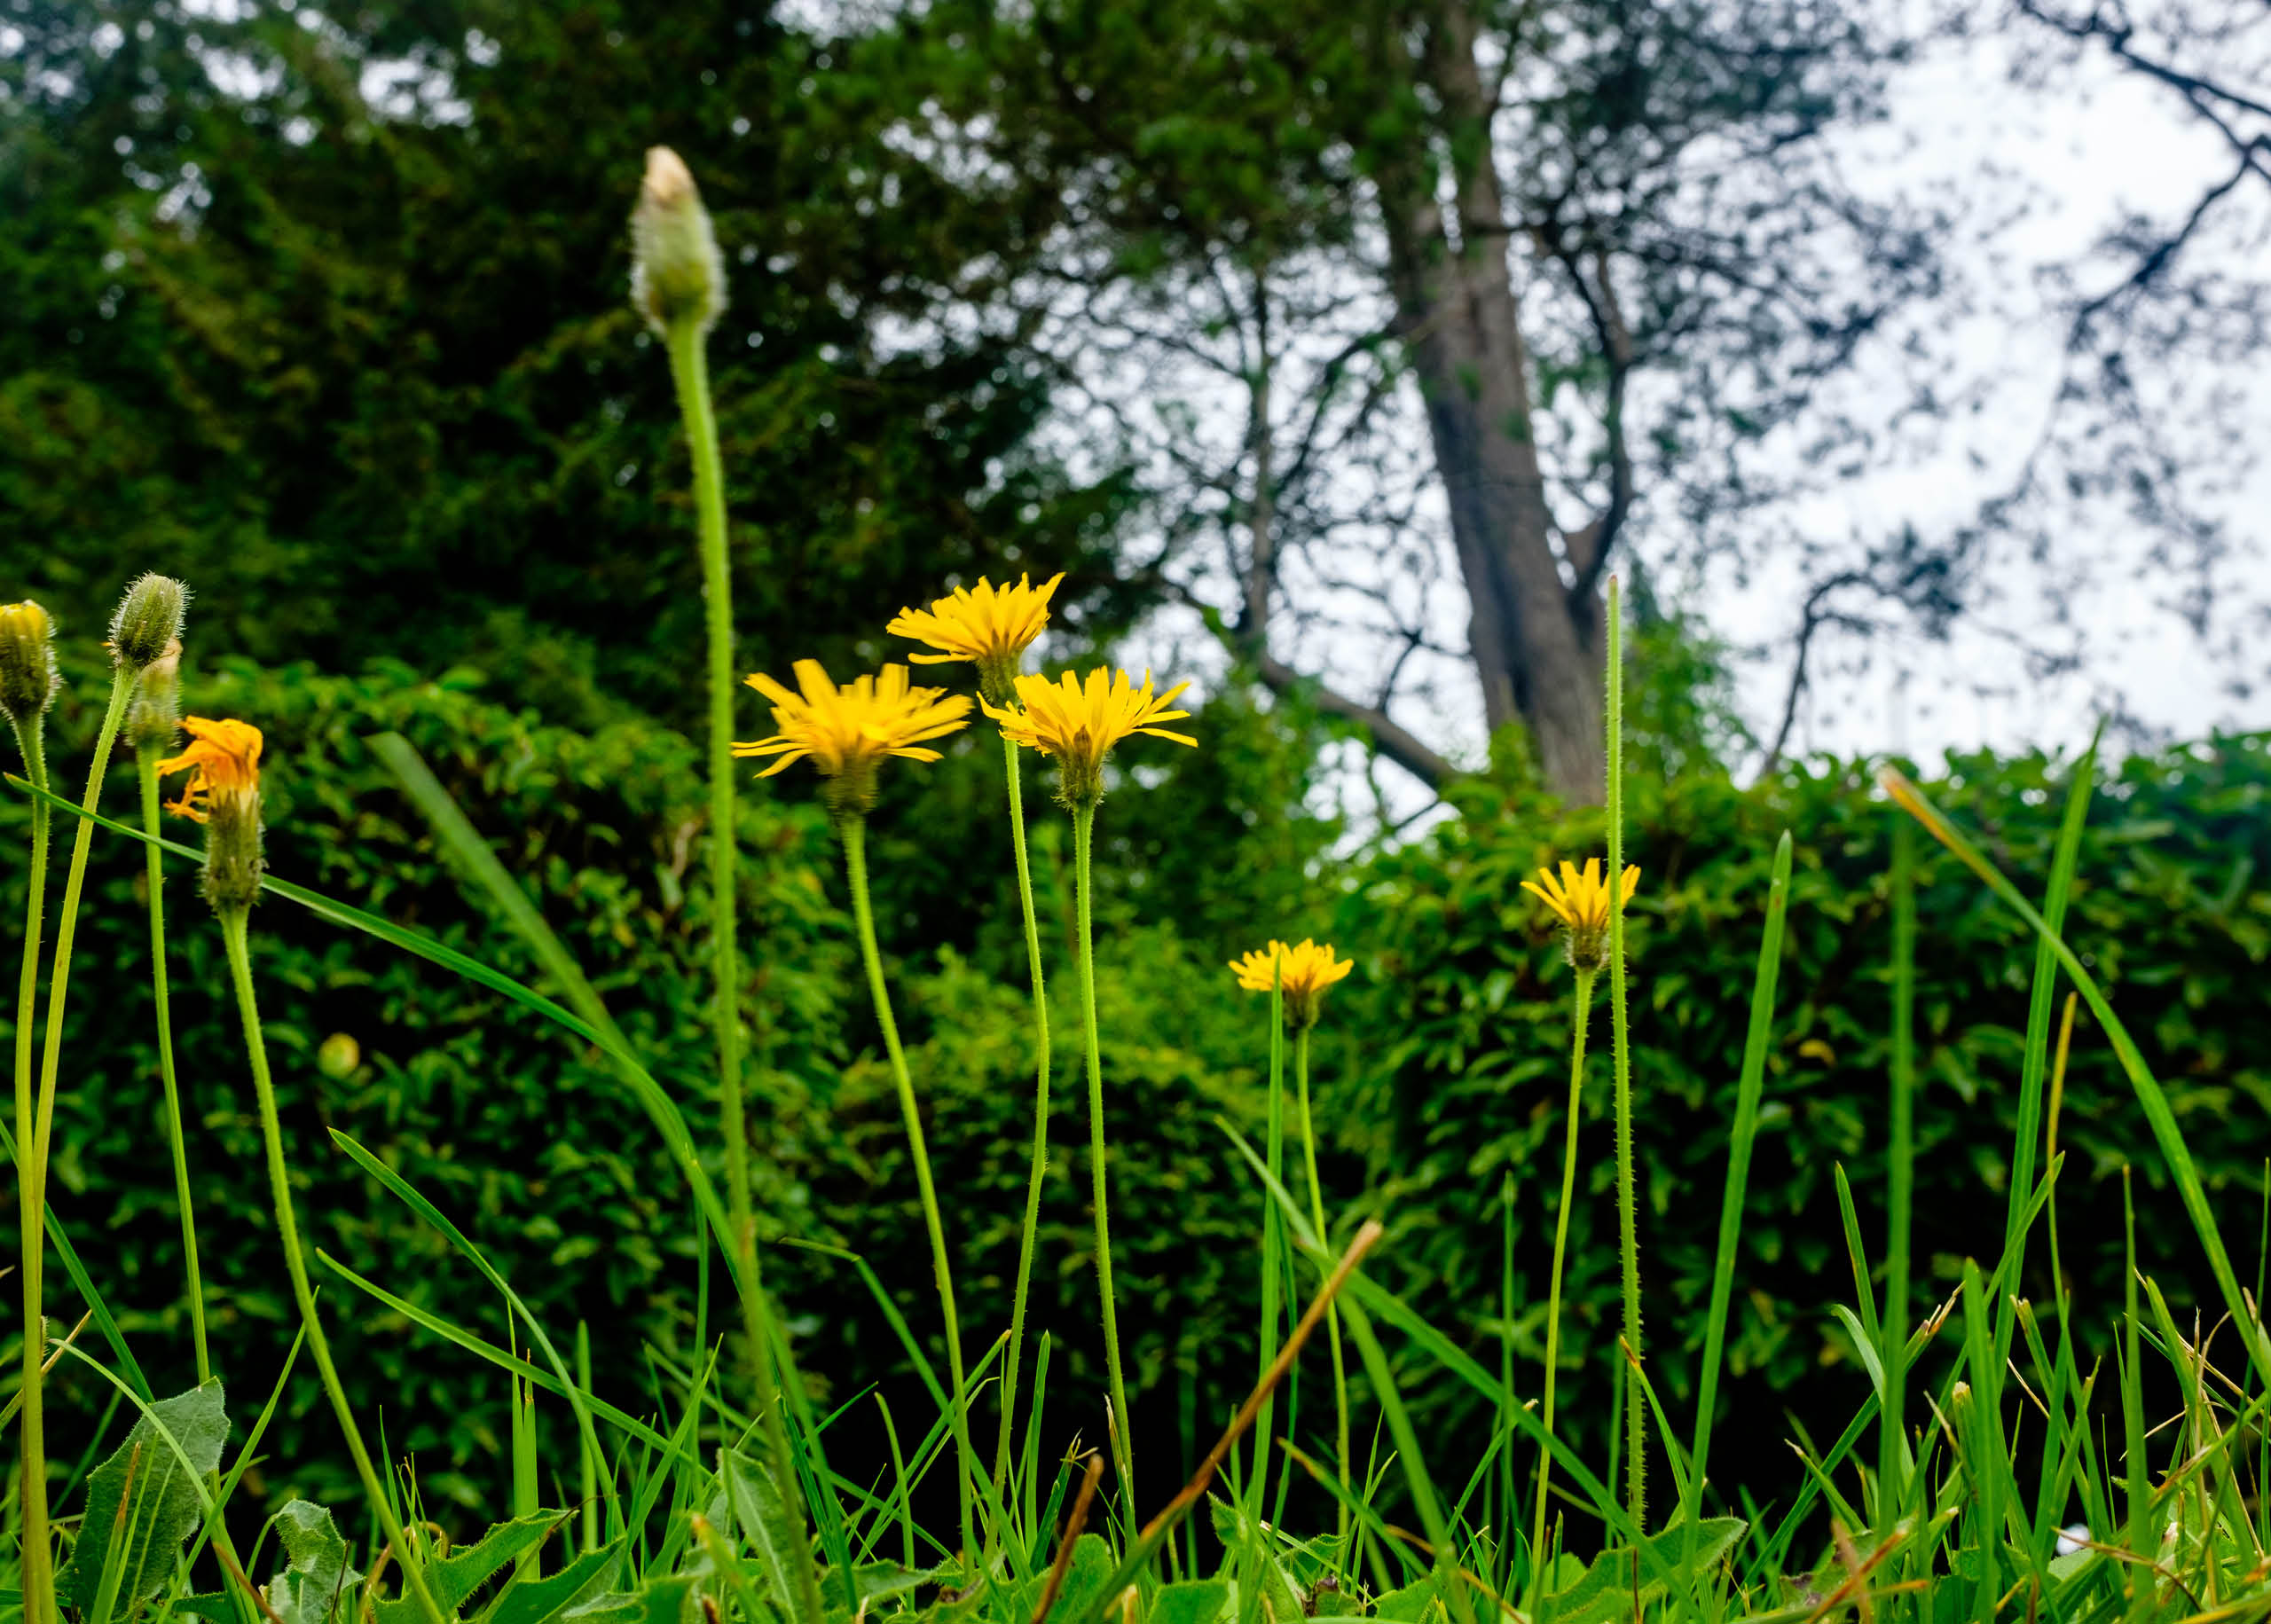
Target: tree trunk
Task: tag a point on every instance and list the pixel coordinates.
(1537, 652)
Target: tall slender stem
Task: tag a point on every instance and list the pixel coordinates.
(690, 376)
(39, 1584)
(1892, 1459)
(1084, 824)
(1581, 1015)
(855, 830)
(691, 372)
(37, 1562)
(1013, 1367)
(288, 1230)
(1332, 1311)
(146, 759)
(1635, 1397)
(1272, 1237)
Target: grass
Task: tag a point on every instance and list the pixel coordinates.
(714, 1493)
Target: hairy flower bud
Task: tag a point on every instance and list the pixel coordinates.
(154, 719)
(27, 678)
(148, 622)
(232, 860)
(676, 271)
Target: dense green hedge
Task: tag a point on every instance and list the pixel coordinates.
(1439, 1069)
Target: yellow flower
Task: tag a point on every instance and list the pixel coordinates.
(848, 731)
(1078, 722)
(990, 626)
(222, 760)
(1306, 969)
(1580, 900)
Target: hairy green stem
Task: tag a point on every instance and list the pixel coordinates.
(691, 372)
(1580, 1017)
(1123, 1449)
(38, 1582)
(1273, 1240)
(1012, 1367)
(1893, 1456)
(854, 831)
(288, 1229)
(1333, 1310)
(1628, 1235)
(146, 757)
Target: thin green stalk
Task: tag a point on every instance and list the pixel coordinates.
(1333, 1310)
(1636, 1405)
(2141, 1540)
(587, 1448)
(1013, 1366)
(1745, 1129)
(855, 830)
(691, 372)
(38, 1582)
(1273, 1244)
(1900, 1171)
(1581, 1017)
(288, 1229)
(146, 759)
(690, 377)
(1084, 823)
(38, 1579)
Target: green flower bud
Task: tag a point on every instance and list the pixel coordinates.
(676, 271)
(27, 677)
(148, 622)
(153, 720)
(232, 860)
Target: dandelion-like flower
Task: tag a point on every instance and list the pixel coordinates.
(847, 732)
(1304, 971)
(1078, 722)
(1579, 898)
(222, 760)
(990, 626)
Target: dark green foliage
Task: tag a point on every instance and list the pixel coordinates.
(1447, 1057)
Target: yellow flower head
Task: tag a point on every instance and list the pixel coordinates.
(222, 760)
(27, 677)
(1306, 969)
(990, 626)
(1079, 721)
(848, 731)
(1580, 900)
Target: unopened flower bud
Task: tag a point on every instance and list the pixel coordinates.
(676, 271)
(27, 678)
(148, 622)
(153, 720)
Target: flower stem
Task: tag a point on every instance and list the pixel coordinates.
(690, 378)
(855, 830)
(147, 760)
(1084, 823)
(38, 1577)
(1333, 1310)
(39, 1583)
(1273, 1244)
(1581, 1017)
(1012, 1367)
(690, 373)
(288, 1229)
(1636, 1397)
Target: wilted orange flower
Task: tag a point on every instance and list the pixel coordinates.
(222, 759)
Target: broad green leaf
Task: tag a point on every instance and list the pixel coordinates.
(763, 1520)
(1610, 1586)
(871, 1582)
(539, 1601)
(665, 1601)
(458, 1575)
(1410, 1604)
(1195, 1601)
(155, 1475)
(318, 1577)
